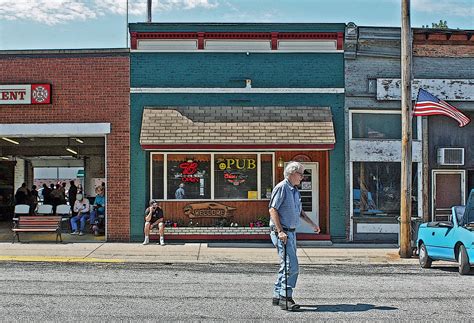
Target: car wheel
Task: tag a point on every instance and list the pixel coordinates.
(425, 260)
(463, 259)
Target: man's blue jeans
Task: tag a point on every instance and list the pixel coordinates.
(292, 263)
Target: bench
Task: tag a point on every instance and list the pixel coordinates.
(37, 224)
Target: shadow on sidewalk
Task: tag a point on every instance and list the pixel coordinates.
(344, 308)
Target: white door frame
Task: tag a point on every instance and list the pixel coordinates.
(435, 172)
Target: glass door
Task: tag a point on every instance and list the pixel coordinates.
(309, 189)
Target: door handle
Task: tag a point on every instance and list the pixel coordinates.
(432, 233)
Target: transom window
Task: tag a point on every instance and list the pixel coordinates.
(379, 125)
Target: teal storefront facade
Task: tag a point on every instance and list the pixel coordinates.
(199, 90)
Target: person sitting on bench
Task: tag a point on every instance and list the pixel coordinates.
(154, 217)
(98, 208)
(82, 208)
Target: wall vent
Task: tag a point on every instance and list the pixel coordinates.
(451, 156)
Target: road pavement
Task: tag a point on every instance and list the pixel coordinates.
(74, 291)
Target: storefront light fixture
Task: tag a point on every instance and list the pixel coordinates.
(72, 151)
(4, 158)
(11, 140)
(280, 162)
(79, 140)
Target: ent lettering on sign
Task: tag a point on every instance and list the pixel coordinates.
(13, 95)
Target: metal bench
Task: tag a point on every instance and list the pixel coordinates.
(37, 224)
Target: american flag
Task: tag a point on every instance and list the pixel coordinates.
(428, 105)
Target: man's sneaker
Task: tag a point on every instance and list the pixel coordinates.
(81, 233)
(74, 233)
(162, 241)
(291, 304)
(275, 301)
(146, 242)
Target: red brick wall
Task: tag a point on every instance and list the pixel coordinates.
(443, 44)
(86, 87)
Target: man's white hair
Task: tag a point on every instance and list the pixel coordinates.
(293, 167)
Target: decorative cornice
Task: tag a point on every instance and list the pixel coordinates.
(273, 36)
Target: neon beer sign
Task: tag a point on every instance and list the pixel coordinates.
(188, 173)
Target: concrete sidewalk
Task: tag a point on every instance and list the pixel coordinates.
(198, 253)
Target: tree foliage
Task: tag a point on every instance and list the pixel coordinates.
(442, 24)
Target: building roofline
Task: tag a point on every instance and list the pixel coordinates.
(66, 51)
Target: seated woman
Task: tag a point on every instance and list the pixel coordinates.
(98, 208)
(154, 216)
(82, 208)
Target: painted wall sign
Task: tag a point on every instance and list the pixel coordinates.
(25, 94)
(236, 163)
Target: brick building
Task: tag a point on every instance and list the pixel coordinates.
(221, 108)
(88, 114)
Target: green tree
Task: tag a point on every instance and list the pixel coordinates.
(442, 24)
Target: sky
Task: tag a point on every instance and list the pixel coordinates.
(71, 24)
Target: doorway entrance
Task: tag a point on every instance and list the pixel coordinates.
(309, 189)
(45, 166)
(449, 189)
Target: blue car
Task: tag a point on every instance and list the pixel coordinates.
(449, 240)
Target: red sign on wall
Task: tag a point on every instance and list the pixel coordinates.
(25, 94)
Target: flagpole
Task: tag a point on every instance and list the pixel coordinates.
(406, 107)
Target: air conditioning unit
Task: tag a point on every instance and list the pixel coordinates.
(451, 156)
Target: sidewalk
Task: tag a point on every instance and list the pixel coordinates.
(198, 253)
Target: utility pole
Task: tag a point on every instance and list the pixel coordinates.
(126, 24)
(148, 11)
(406, 107)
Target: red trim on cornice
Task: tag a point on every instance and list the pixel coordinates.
(274, 41)
(133, 40)
(200, 40)
(272, 36)
(340, 41)
(239, 146)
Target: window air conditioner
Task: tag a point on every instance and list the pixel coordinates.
(451, 156)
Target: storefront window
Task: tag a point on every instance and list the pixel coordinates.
(379, 126)
(376, 189)
(266, 176)
(157, 176)
(235, 176)
(188, 176)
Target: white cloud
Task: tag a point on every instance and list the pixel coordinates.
(460, 8)
(52, 12)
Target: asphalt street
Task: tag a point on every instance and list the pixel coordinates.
(216, 292)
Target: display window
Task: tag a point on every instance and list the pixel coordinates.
(188, 176)
(157, 166)
(235, 176)
(211, 176)
(376, 189)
